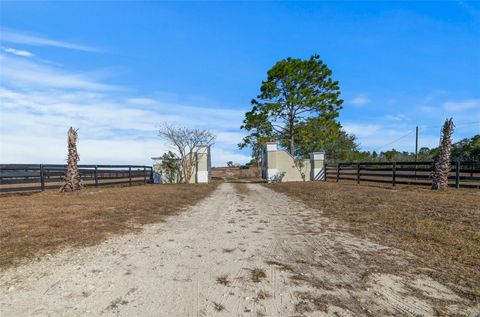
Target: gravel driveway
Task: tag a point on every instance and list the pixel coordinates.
(243, 251)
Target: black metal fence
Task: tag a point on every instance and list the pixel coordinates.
(462, 174)
(32, 177)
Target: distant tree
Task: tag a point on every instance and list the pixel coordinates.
(442, 162)
(389, 155)
(359, 156)
(72, 176)
(295, 90)
(230, 164)
(255, 165)
(186, 141)
(474, 148)
(467, 149)
(252, 163)
(424, 154)
(256, 140)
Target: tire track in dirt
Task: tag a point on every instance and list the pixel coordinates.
(322, 254)
(312, 267)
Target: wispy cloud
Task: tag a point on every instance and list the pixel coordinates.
(16, 37)
(39, 103)
(360, 100)
(142, 101)
(459, 106)
(29, 74)
(474, 12)
(361, 130)
(382, 137)
(396, 117)
(16, 52)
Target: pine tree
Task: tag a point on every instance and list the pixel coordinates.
(442, 162)
(72, 175)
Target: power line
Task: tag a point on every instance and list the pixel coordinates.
(396, 140)
(461, 124)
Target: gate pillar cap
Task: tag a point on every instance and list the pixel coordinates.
(202, 148)
(271, 146)
(317, 156)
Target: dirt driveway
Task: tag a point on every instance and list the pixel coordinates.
(243, 251)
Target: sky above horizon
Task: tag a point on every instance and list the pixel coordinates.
(116, 70)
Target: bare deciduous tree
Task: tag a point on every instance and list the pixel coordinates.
(186, 141)
(72, 175)
(442, 162)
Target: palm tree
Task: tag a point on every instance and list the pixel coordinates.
(442, 162)
(72, 175)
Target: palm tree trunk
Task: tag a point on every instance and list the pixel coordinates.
(442, 162)
(72, 175)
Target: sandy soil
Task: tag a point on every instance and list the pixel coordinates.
(243, 251)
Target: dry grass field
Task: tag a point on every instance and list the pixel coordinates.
(45, 222)
(441, 228)
(245, 250)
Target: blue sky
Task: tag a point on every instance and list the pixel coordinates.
(118, 69)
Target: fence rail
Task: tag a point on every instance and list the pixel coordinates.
(462, 174)
(31, 177)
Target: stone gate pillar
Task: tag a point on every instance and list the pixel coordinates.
(202, 174)
(271, 162)
(317, 162)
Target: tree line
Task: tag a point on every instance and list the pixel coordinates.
(467, 149)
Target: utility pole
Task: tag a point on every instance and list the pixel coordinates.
(416, 143)
(416, 150)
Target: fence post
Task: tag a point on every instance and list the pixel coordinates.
(457, 174)
(129, 175)
(42, 178)
(358, 173)
(394, 173)
(96, 175)
(338, 171)
(144, 175)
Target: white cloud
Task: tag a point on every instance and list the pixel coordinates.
(360, 100)
(52, 149)
(142, 101)
(230, 138)
(21, 53)
(220, 157)
(28, 74)
(35, 40)
(397, 117)
(379, 137)
(361, 130)
(459, 106)
(114, 126)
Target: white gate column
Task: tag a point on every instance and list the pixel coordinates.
(271, 149)
(317, 161)
(202, 166)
